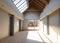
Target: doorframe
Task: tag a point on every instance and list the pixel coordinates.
(11, 25)
(20, 28)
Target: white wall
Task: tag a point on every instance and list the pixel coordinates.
(54, 27)
(50, 8)
(16, 24)
(4, 24)
(12, 5)
(31, 15)
(9, 7)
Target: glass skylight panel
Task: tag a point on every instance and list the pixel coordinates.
(16, 1)
(24, 9)
(20, 3)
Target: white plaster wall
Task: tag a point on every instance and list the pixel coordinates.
(50, 8)
(4, 24)
(16, 25)
(31, 15)
(9, 7)
(54, 27)
(11, 4)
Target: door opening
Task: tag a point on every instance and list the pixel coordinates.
(20, 29)
(11, 31)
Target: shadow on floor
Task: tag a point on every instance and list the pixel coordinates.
(21, 37)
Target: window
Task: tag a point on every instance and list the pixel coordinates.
(21, 5)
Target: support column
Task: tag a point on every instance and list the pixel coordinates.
(48, 25)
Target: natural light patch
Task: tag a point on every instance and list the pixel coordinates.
(31, 27)
(58, 39)
(36, 28)
(53, 35)
(21, 5)
(17, 22)
(34, 36)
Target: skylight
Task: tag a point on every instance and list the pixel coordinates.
(21, 5)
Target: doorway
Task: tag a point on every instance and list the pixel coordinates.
(11, 30)
(20, 28)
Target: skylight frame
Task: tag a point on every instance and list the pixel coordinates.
(21, 5)
(17, 1)
(24, 9)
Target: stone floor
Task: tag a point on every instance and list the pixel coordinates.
(24, 37)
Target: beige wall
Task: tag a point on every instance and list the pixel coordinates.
(16, 24)
(4, 24)
(25, 24)
(54, 28)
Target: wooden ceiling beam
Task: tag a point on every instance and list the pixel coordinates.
(40, 3)
(38, 8)
(45, 1)
(48, 1)
(35, 3)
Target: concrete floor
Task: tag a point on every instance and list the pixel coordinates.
(24, 37)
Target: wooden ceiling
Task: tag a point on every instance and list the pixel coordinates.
(38, 4)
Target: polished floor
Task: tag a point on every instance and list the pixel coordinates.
(25, 37)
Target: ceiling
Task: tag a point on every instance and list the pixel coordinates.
(39, 5)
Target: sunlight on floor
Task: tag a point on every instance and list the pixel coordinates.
(33, 28)
(44, 37)
(33, 36)
(30, 27)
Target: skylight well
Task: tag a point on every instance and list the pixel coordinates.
(21, 5)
